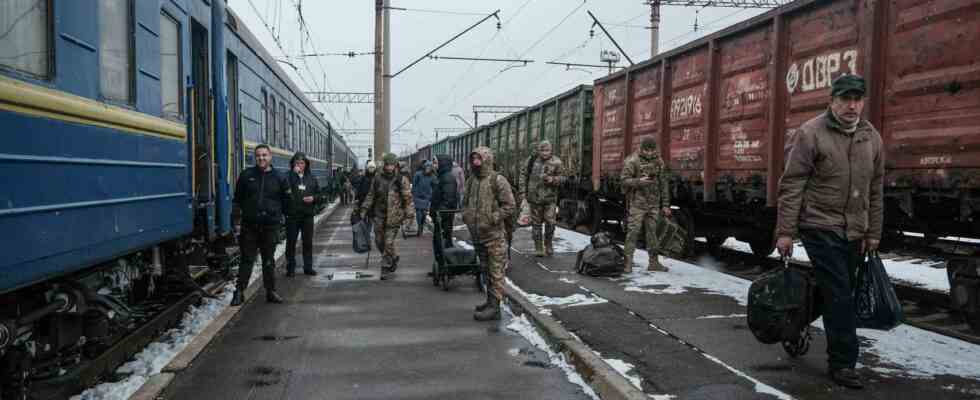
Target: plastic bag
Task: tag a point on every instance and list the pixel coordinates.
(362, 236)
(875, 300)
(524, 219)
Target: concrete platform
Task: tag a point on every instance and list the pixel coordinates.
(344, 334)
(696, 345)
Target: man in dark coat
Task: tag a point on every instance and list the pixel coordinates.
(363, 185)
(422, 193)
(262, 195)
(301, 210)
(445, 196)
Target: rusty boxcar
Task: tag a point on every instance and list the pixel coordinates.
(722, 107)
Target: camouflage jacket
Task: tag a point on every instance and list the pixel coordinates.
(651, 195)
(533, 187)
(387, 203)
(489, 202)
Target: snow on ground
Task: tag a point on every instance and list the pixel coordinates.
(523, 327)
(624, 368)
(155, 356)
(158, 354)
(570, 241)
(540, 301)
(916, 272)
(682, 277)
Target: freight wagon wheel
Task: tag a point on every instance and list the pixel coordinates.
(714, 242)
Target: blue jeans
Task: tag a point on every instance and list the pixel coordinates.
(835, 262)
(420, 214)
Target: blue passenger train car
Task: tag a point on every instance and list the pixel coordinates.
(126, 123)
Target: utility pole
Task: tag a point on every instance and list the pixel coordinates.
(654, 27)
(382, 80)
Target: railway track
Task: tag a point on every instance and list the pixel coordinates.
(924, 308)
(160, 315)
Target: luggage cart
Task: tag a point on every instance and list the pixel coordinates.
(451, 262)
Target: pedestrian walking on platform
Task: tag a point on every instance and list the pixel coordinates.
(299, 218)
(445, 196)
(539, 186)
(389, 205)
(460, 182)
(644, 177)
(422, 193)
(487, 211)
(261, 194)
(363, 184)
(830, 196)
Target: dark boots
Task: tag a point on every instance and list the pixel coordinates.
(309, 271)
(486, 303)
(847, 377)
(492, 312)
(272, 297)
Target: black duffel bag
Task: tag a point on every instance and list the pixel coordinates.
(601, 258)
(782, 304)
(362, 236)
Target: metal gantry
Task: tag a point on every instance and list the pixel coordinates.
(722, 3)
(341, 97)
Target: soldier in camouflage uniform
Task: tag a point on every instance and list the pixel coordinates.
(540, 181)
(487, 208)
(388, 204)
(648, 197)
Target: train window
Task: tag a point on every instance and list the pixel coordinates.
(170, 67)
(116, 50)
(25, 43)
(282, 125)
(271, 139)
(291, 132)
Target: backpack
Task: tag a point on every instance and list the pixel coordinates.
(781, 306)
(602, 258)
(527, 171)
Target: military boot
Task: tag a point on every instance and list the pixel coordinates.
(549, 248)
(486, 303)
(628, 264)
(655, 265)
(492, 312)
(272, 297)
(538, 248)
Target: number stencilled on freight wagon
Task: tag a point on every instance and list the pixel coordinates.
(686, 106)
(818, 72)
(936, 160)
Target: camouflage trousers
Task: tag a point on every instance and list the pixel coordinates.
(384, 239)
(643, 220)
(543, 214)
(493, 260)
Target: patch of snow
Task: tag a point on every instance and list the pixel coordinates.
(570, 241)
(523, 327)
(916, 353)
(624, 368)
(577, 299)
(568, 281)
(464, 245)
(662, 396)
(158, 354)
(759, 386)
(683, 276)
(922, 275)
(723, 316)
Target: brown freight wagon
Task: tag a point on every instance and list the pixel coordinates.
(722, 107)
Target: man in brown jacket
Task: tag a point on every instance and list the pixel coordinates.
(830, 196)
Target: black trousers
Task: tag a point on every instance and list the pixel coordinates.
(835, 262)
(443, 228)
(293, 228)
(255, 239)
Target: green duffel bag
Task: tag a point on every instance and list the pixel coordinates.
(782, 304)
(672, 238)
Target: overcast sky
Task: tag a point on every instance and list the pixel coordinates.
(539, 30)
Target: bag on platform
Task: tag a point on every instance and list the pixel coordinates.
(875, 300)
(781, 306)
(672, 238)
(362, 236)
(410, 228)
(601, 258)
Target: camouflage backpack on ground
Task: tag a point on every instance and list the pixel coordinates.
(601, 258)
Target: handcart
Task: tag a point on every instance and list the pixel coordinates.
(452, 261)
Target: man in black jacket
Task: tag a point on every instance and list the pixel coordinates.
(261, 194)
(363, 184)
(445, 196)
(301, 210)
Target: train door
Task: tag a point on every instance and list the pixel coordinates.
(234, 116)
(203, 142)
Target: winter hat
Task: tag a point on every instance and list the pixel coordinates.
(390, 158)
(648, 144)
(371, 165)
